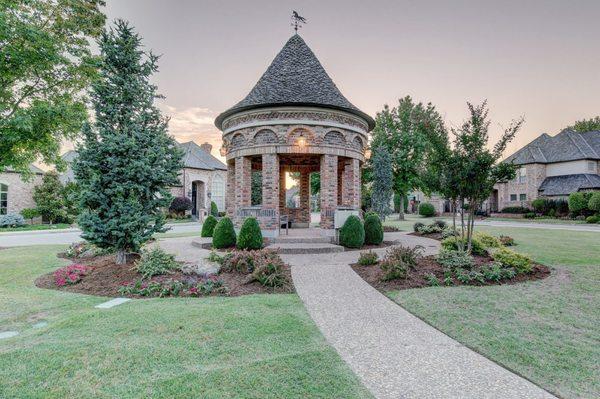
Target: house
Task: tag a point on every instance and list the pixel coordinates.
(16, 193)
(203, 178)
(551, 167)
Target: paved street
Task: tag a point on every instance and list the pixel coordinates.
(68, 236)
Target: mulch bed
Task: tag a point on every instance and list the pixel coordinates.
(390, 229)
(428, 265)
(105, 278)
(433, 236)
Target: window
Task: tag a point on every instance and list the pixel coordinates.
(522, 197)
(513, 197)
(522, 175)
(3, 199)
(218, 192)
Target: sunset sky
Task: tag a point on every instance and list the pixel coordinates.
(537, 59)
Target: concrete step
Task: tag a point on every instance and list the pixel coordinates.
(283, 239)
(305, 248)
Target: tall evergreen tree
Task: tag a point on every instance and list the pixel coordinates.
(127, 160)
(383, 181)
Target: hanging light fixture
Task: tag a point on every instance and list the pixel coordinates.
(301, 140)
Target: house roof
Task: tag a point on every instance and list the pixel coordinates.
(195, 157)
(32, 168)
(295, 77)
(567, 184)
(566, 146)
(69, 156)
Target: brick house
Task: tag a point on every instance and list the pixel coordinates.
(16, 193)
(551, 167)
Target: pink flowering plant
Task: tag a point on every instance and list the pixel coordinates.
(70, 275)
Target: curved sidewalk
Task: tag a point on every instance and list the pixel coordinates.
(395, 354)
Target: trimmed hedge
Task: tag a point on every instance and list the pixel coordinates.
(594, 202)
(352, 233)
(250, 236)
(426, 209)
(214, 210)
(224, 234)
(208, 227)
(373, 230)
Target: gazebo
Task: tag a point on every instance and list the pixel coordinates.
(294, 120)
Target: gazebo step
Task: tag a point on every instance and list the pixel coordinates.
(305, 248)
(283, 239)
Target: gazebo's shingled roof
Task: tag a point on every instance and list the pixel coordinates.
(295, 77)
(568, 145)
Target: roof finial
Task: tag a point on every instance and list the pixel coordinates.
(297, 20)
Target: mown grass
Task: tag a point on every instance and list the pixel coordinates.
(35, 227)
(259, 346)
(548, 330)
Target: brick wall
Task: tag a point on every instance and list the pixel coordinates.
(270, 192)
(329, 189)
(535, 175)
(20, 192)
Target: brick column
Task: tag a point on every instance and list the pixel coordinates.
(282, 204)
(340, 181)
(351, 183)
(243, 186)
(270, 192)
(329, 188)
(305, 197)
(230, 192)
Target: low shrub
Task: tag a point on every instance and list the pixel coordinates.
(449, 232)
(270, 274)
(180, 204)
(250, 236)
(393, 269)
(592, 219)
(70, 275)
(84, 249)
(487, 240)
(468, 277)
(451, 259)
(30, 214)
(440, 223)
(515, 209)
(594, 202)
(507, 241)
(432, 280)
(352, 233)
(430, 229)
(373, 229)
(155, 262)
(208, 227)
(264, 266)
(12, 220)
(451, 243)
(578, 203)
(418, 226)
(224, 234)
(214, 210)
(529, 215)
(398, 261)
(426, 210)
(368, 258)
(170, 287)
(511, 259)
(496, 272)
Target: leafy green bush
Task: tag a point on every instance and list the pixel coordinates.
(539, 204)
(180, 204)
(30, 213)
(250, 236)
(430, 229)
(592, 219)
(368, 258)
(155, 262)
(477, 247)
(214, 210)
(496, 272)
(515, 209)
(449, 232)
(417, 226)
(594, 202)
(507, 241)
(270, 274)
(373, 229)
(352, 233)
(578, 203)
(224, 234)
(529, 215)
(12, 220)
(451, 259)
(508, 258)
(208, 227)
(440, 223)
(467, 277)
(398, 261)
(426, 209)
(487, 240)
(432, 280)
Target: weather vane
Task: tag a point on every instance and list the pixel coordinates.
(297, 20)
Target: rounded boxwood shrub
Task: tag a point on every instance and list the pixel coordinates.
(208, 227)
(352, 233)
(180, 204)
(250, 236)
(224, 234)
(592, 219)
(426, 209)
(373, 230)
(594, 202)
(214, 210)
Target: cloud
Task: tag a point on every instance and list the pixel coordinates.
(195, 124)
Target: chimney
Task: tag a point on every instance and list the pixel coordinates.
(206, 147)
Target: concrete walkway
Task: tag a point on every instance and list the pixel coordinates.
(395, 354)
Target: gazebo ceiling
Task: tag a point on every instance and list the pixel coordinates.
(295, 78)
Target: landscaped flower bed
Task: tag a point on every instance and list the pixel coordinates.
(156, 274)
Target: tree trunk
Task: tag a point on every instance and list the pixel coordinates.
(401, 210)
(121, 257)
(461, 245)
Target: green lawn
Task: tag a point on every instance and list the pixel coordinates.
(32, 227)
(260, 346)
(538, 220)
(548, 330)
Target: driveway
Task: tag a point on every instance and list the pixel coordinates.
(67, 236)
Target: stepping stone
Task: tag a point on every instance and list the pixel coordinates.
(8, 334)
(112, 302)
